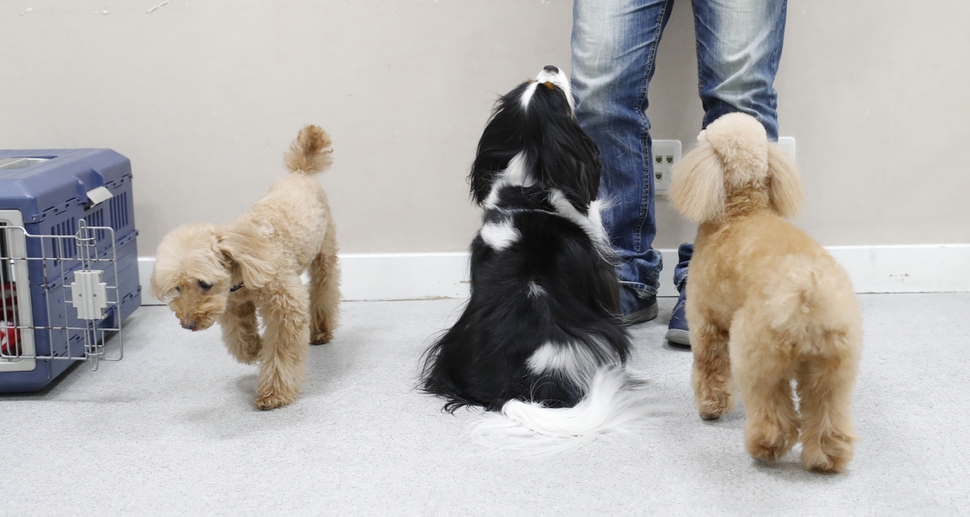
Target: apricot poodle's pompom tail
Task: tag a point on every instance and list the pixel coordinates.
(785, 185)
(697, 190)
(310, 152)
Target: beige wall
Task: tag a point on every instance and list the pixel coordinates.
(204, 96)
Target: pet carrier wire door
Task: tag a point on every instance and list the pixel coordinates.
(72, 322)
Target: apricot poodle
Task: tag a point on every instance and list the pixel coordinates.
(249, 270)
(766, 304)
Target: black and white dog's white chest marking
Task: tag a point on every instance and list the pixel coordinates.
(500, 235)
(514, 192)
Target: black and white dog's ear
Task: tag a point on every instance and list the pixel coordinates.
(500, 142)
(492, 158)
(569, 160)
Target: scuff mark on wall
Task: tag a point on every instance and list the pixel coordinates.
(150, 11)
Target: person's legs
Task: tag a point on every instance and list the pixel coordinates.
(739, 46)
(614, 46)
(738, 50)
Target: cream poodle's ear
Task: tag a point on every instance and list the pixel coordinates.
(785, 184)
(252, 252)
(168, 259)
(697, 190)
(156, 287)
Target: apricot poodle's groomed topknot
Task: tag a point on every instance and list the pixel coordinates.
(733, 156)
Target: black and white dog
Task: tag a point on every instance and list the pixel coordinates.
(539, 339)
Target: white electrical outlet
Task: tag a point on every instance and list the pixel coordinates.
(665, 155)
(787, 143)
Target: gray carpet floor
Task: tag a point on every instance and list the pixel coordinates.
(171, 430)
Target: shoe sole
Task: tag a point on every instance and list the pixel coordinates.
(678, 337)
(640, 316)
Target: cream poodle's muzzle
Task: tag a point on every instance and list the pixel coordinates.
(199, 311)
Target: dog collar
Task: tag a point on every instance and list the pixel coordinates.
(237, 287)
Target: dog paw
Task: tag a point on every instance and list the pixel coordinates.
(829, 454)
(321, 338)
(769, 439)
(715, 405)
(244, 352)
(247, 358)
(272, 401)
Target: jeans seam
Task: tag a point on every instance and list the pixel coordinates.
(697, 49)
(776, 61)
(647, 193)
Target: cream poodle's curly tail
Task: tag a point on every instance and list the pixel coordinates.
(310, 152)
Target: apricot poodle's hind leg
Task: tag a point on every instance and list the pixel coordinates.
(285, 343)
(240, 331)
(711, 375)
(825, 391)
(764, 378)
(771, 423)
(324, 297)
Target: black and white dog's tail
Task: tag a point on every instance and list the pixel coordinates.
(614, 400)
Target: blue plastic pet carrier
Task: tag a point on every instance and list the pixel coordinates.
(68, 261)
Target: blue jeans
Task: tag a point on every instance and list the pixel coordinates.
(614, 46)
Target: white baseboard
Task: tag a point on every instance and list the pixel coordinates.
(923, 268)
(409, 276)
(379, 276)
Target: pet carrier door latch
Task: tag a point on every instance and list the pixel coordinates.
(89, 295)
(98, 195)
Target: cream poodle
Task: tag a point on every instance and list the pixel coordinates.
(766, 304)
(252, 266)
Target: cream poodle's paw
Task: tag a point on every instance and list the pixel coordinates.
(714, 404)
(246, 355)
(321, 338)
(244, 351)
(273, 400)
(769, 439)
(831, 453)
